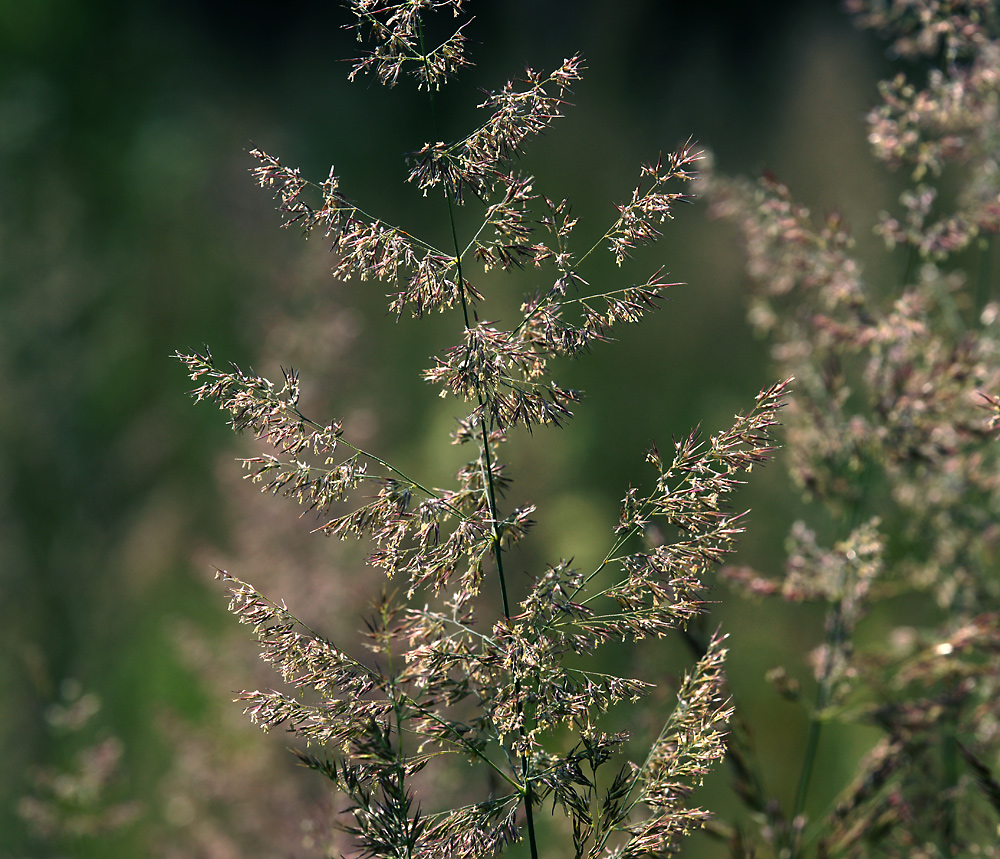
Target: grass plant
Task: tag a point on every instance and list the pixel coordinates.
(891, 429)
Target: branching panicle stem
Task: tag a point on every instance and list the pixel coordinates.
(504, 695)
(490, 491)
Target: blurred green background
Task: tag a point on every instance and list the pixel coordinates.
(131, 228)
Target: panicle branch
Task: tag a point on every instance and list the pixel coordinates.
(660, 589)
(423, 278)
(427, 540)
(397, 31)
(274, 416)
(305, 660)
(503, 374)
(544, 328)
(472, 832)
(692, 740)
(477, 162)
(639, 218)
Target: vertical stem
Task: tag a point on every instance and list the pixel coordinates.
(983, 281)
(809, 756)
(492, 502)
(488, 483)
(949, 766)
(838, 630)
(529, 814)
(397, 716)
(836, 633)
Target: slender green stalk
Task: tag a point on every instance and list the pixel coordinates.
(984, 279)
(835, 638)
(812, 747)
(430, 493)
(949, 766)
(489, 484)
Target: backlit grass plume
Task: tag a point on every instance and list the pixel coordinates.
(893, 434)
(451, 678)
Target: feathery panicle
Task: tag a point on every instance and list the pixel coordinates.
(448, 675)
(423, 278)
(951, 119)
(893, 430)
(650, 205)
(691, 741)
(396, 29)
(477, 162)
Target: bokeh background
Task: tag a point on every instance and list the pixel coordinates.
(131, 228)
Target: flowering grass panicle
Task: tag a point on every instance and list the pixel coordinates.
(893, 431)
(453, 677)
